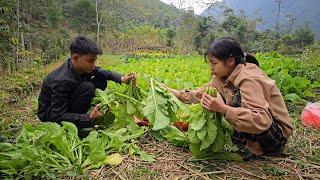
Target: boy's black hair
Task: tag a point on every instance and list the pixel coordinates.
(84, 45)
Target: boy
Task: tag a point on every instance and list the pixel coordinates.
(66, 93)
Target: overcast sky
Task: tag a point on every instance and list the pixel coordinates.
(197, 5)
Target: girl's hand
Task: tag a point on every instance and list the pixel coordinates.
(214, 104)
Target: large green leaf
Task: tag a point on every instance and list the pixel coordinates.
(220, 139)
(211, 130)
(113, 159)
(174, 135)
(131, 108)
(202, 133)
(198, 121)
(192, 136)
(156, 109)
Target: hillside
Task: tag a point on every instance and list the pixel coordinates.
(151, 12)
(305, 11)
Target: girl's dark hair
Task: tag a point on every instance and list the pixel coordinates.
(228, 47)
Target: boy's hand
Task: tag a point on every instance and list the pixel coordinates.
(95, 113)
(129, 77)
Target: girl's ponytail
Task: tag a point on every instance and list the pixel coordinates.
(249, 58)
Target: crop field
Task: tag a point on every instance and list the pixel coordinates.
(120, 149)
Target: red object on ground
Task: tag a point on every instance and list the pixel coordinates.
(144, 122)
(183, 126)
(310, 115)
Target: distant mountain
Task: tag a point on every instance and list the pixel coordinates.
(303, 10)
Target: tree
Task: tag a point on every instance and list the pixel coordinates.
(8, 25)
(277, 25)
(98, 19)
(171, 33)
(83, 16)
(187, 30)
(203, 29)
(303, 36)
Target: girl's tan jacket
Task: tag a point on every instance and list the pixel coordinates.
(261, 100)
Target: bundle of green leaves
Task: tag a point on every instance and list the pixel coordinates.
(47, 149)
(132, 99)
(119, 106)
(208, 131)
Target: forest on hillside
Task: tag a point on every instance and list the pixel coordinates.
(34, 33)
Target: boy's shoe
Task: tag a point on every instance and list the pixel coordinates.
(84, 132)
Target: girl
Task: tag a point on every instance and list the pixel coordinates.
(249, 100)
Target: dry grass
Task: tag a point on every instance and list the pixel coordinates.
(301, 160)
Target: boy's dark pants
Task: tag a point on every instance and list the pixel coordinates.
(81, 100)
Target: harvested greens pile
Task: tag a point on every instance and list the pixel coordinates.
(47, 148)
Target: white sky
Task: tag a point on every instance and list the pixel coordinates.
(197, 5)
